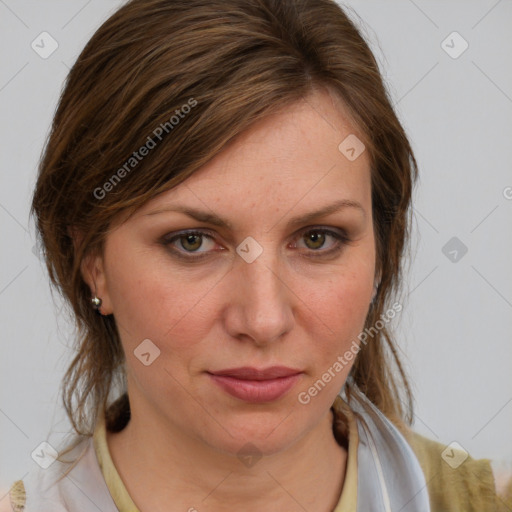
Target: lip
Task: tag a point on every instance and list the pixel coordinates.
(256, 385)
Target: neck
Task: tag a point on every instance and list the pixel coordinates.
(164, 468)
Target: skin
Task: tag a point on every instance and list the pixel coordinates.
(287, 307)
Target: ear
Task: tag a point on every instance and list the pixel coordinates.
(93, 272)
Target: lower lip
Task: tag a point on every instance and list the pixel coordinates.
(256, 391)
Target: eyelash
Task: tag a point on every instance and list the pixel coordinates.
(341, 238)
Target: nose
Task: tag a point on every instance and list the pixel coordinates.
(260, 304)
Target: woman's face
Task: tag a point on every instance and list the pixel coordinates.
(262, 282)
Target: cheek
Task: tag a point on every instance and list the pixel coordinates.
(340, 303)
(352, 299)
(334, 317)
(152, 300)
(337, 312)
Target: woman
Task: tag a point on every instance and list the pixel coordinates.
(259, 372)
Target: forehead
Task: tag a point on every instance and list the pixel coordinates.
(296, 156)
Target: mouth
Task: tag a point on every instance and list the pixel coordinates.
(256, 385)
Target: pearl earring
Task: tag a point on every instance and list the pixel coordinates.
(96, 302)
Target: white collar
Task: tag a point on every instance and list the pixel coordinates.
(389, 475)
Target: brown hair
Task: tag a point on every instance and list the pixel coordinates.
(232, 62)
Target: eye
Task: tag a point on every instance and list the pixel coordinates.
(197, 244)
(190, 242)
(316, 238)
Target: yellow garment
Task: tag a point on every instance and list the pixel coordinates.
(114, 483)
(468, 488)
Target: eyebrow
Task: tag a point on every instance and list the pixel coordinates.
(212, 218)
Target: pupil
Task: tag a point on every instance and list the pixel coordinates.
(315, 237)
(190, 240)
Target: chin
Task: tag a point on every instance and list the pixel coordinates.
(264, 433)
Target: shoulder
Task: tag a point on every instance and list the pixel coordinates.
(454, 479)
(41, 489)
(72, 485)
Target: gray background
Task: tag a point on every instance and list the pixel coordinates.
(455, 327)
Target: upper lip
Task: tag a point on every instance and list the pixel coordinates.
(249, 373)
